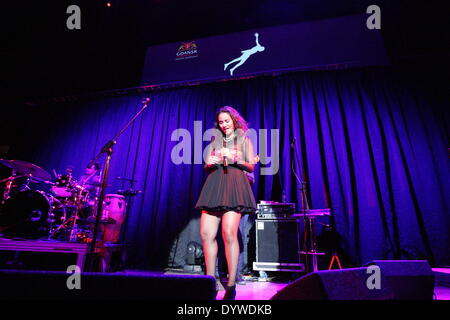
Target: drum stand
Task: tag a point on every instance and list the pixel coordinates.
(129, 194)
(63, 225)
(71, 222)
(9, 181)
(9, 185)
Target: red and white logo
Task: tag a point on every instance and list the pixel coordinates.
(187, 50)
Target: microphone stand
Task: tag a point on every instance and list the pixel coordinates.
(108, 150)
(305, 207)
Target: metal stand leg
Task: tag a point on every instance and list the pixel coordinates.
(313, 244)
(80, 260)
(309, 226)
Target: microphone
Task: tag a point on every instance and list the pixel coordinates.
(225, 161)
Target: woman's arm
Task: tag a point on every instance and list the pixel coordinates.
(247, 160)
(211, 160)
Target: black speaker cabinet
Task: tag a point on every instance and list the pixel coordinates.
(53, 285)
(399, 280)
(277, 245)
(406, 279)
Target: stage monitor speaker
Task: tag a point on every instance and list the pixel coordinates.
(406, 279)
(399, 280)
(277, 245)
(52, 285)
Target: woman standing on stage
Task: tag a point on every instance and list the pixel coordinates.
(226, 194)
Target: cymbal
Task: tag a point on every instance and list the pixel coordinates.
(5, 162)
(27, 168)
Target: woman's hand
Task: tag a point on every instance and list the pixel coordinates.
(213, 160)
(225, 152)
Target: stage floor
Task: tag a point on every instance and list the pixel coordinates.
(255, 290)
(264, 290)
(248, 289)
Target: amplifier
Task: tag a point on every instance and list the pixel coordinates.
(278, 245)
(275, 210)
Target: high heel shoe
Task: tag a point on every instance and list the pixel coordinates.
(219, 286)
(230, 293)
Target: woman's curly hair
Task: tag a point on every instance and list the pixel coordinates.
(238, 121)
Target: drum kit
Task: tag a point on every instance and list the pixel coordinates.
(35, 206)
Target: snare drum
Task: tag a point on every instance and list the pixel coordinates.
(114, 208)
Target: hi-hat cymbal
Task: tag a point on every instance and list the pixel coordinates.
(27, 168)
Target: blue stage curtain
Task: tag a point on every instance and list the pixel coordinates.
(371, 145)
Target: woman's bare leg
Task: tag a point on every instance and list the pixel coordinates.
(230, 227)
(209, 224)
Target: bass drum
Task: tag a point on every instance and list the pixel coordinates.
(26, 215)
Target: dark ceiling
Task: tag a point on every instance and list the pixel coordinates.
(42, 58)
